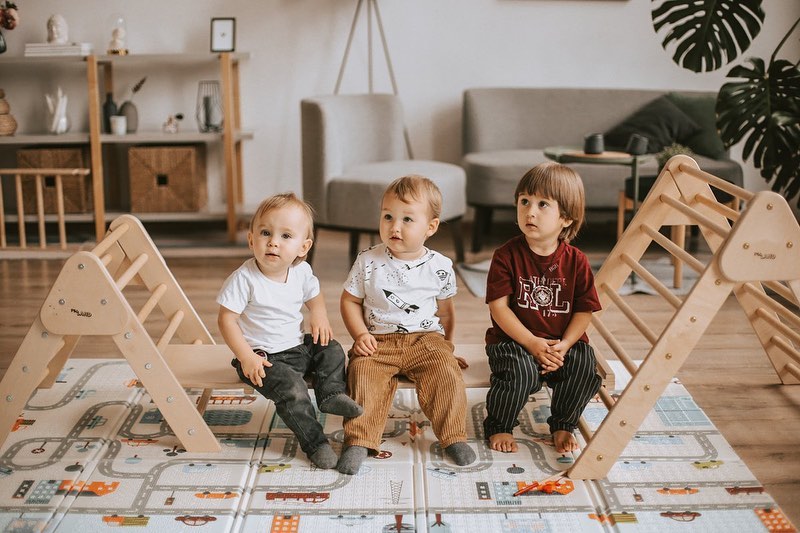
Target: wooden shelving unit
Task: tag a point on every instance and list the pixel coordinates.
(99, 71)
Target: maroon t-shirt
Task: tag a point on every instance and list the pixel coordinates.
(543, 292)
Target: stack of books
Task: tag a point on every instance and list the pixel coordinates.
(50, 49)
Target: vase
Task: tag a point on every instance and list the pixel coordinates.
(109, 110)
(2, 43)
(129, 111)
(209, 113)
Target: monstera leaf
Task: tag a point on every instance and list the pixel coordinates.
(707, 34)
(763, 107)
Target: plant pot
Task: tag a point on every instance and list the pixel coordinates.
(131, 114)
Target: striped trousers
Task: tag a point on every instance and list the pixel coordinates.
(426, 359)
(515, 376)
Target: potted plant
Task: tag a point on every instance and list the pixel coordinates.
(761, 102)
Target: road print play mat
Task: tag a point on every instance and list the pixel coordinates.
(93, 453)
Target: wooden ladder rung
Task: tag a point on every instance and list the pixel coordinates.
(172, 327)
(772, 304)
(616, 347)
(793, 370)
(628, 311)
(651, 280)
(674, 249)
(151, 302)
(132, 270)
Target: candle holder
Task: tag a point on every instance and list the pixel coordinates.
(209, 113)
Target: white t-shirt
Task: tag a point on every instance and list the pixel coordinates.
(270, 313)
(400, 296)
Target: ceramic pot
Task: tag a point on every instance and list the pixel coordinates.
(8, 125)
(131, 114)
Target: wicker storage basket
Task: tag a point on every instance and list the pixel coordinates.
(167, 178)
(77, 189)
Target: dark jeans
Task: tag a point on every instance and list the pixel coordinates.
(285, 385)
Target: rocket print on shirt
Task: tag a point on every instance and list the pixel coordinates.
(396, 300)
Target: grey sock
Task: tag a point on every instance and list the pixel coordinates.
(324, 457)
(351, 459)
(342, 405)
(460, 453)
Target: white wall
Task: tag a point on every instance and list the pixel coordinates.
(438, 48)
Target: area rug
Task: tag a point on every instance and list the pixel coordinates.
(474, 277)
(93, 453)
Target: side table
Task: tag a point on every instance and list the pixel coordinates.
(567, 154)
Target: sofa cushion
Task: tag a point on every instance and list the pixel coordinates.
(660, 120)
(701, 108)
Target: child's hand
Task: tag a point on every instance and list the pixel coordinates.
(365, 345)
(321, 330)
(253, 368)
(559, 348)
(542, 351)
(462, 363)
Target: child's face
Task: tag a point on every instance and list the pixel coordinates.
(405, 226)
(278, 238)
(540, 219)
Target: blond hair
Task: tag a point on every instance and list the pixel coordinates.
(562, 184)
(278, 201)
(419, 188)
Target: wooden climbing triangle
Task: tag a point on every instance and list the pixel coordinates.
(755, 256)
(87, 300)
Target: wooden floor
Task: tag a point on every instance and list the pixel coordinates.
(727, 374)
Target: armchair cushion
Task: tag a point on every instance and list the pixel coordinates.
(363, 185)
(661, 121)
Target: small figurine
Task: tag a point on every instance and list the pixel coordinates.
(57, 30)
(172, 123)
(119, 34)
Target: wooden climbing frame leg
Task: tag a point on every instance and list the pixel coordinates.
(26, 372)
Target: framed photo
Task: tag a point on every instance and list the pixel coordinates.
(223, 34)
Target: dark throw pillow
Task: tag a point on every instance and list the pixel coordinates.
(661, 121)
(701, 108)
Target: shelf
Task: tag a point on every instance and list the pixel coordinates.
(99, 70)
(130, 138)
(165, 59)
(45, 138)
(172, 216)
(168, 138)
(43, 61)
(130, 59)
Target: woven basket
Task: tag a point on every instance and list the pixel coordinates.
(167, 178)
(77, 191)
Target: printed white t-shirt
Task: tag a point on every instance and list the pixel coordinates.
(400, 296)
(270, 313)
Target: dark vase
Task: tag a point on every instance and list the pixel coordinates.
(2, 43)
(109, 109)
(131, 114)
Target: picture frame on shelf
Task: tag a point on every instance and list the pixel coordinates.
(223, 34)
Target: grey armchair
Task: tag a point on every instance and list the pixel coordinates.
(353, 147)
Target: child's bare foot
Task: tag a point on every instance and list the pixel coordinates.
(564, 441)
(503, 442)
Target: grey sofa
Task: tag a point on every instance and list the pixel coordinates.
(507, 129)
